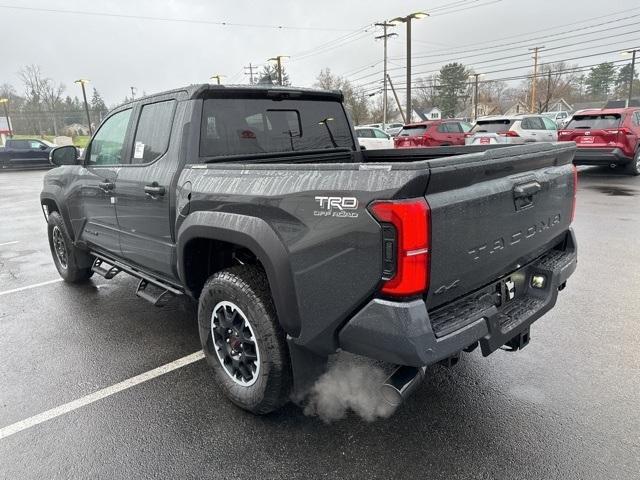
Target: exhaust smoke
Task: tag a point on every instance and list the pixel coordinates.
(351, 383)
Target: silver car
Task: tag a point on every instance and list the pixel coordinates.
(515, 129)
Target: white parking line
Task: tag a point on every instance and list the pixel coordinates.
(99, 395)
(9, 243)
(7, 292)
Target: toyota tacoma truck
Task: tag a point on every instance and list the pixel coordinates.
(258, 203)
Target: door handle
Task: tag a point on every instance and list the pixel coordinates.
(106, 186)
(154, 189)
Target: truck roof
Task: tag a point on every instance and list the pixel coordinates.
(205, 89)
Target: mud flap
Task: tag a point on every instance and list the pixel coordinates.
(307, 368)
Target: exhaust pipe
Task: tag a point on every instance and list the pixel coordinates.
(401, 383)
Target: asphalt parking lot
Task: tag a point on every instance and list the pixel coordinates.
(564, 407)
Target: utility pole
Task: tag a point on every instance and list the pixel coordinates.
(404, 119)
(278, 61)
(384, 38)
(631, 74)
(546, 104)
(82, 81)
(4, 102)
(475, 96)
(250, 73)
(535, 75)
(133, 92)
(407, 20)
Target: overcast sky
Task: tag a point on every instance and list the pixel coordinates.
(116, 52)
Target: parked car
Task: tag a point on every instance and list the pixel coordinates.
(560, 117)
(296, 244)
(25, 153)
(394, 128)
(609, 136)
(373, 138)
(516, 129)
(433, 133)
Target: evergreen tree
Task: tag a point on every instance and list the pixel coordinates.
(269, 75)
(600, 80)
(452, 87)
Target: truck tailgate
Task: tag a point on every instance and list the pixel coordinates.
(493, 212)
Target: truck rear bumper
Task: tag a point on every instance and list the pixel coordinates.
(600, 156)
(404, 333)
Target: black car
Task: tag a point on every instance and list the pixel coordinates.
(25, 153)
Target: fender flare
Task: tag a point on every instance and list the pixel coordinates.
(52, 197)
(256, 235)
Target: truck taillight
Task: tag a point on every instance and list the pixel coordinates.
(408, 247)
(575, 192)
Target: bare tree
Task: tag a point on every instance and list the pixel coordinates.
(355, 99)
(41, 93)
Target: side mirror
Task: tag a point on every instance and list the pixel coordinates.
(67, 155)
(43, 146)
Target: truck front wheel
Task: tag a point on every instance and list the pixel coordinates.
(243, 341)
(73, 264)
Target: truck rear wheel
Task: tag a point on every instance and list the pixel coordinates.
(243, 341)
(73, 264)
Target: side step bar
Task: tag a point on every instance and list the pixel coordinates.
(149, 288)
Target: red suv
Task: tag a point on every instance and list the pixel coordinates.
(609, 136)
(434, 133)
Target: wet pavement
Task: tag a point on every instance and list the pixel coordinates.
(564, 407)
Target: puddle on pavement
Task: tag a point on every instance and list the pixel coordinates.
(614, 191)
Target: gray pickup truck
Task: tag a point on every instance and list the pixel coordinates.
(258, 203)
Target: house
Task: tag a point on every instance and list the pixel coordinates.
(76, 129)
(517, 108)
(560, 105)
(429, 113)
(586, 105)
(484, 110)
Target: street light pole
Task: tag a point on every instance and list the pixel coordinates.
(4, 102)
(384, 38)
(217, 77)
(82, 81)
(407, 20)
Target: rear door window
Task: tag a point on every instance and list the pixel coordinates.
(492, 126)
(594, 122)
(549, 124)
(532, 123)
(254, 126)
(20, 144)
(380, 134)
(153, 131)
(413, 131)
(364, 133)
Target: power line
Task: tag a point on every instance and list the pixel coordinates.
(544, 37)
(576, 69)
(169, 19)
(525, 66)
(512, 45)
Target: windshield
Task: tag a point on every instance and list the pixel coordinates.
(255, 126)
(492, 126)
(593, 122)
(413, 131)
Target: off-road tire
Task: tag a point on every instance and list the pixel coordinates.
(246, 287)
(78, 262)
